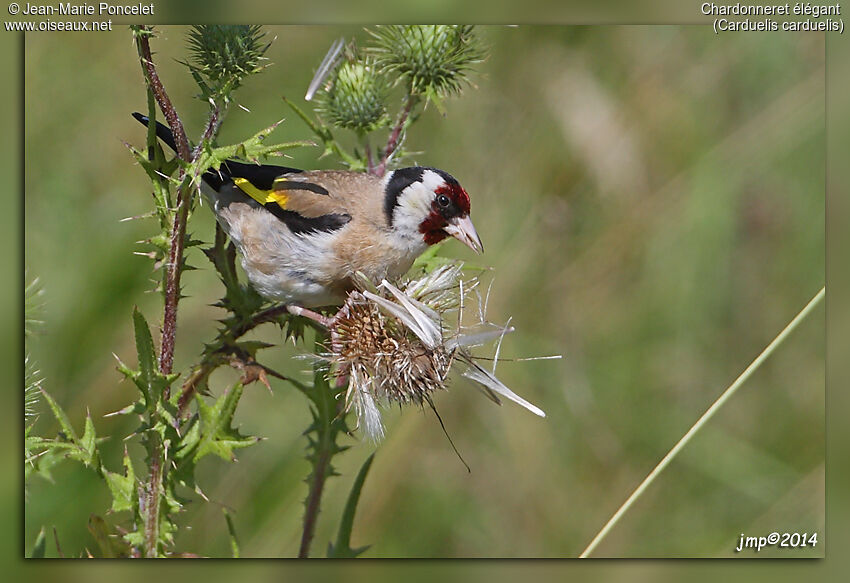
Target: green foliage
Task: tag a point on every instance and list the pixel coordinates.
(325, 135)
(82, 449)
(180, 425)
(252, 150)
(122, 486)
(41, 455)
(214, 434)
(326, 408)
(430, 63)
(652, 319)
(222, 56)
(328, 422)
(207, 432)
(342, 548)
(151, 383)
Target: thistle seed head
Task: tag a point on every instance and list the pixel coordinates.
(383, 357)
(398, 344)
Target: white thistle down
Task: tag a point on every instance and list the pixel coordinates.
(397, 344)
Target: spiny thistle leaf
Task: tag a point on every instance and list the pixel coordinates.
(328, 140)
(293, 328)
(88, 443)
(82, 450)
(61, 417)
(146, 354)
(42, 455)
(251, 149)
(33, 305)
(342, 548)
(239, 299)
(327, 423)
(190, 440)
(122, 486)
(216, 434)
(432, 60)
(148, 379)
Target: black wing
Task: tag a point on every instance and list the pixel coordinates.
(262, 178)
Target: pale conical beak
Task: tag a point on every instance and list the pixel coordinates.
(463, 230)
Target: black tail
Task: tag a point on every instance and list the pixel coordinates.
(261, 176)
(162, 132)
(165, 134)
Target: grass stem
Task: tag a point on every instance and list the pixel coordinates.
(727, 394)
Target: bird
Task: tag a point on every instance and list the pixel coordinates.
(305, 236)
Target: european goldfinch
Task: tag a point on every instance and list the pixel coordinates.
(303, 235)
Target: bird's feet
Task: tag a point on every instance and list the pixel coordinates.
(326, 321)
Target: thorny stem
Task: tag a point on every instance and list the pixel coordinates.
(153, 490)
(178, 230)
(143, 46)
(328, 410)
(212, 128)
(225, 340)
(228, 337)
(267, 315)
(395, 136)
(158, 451)
(314, 498)
(172, 282)
(172, 285)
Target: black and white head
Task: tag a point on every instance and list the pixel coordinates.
(429, 205)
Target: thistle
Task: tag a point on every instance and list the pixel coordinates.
(223, 55)
(395, 345)
(355, 98)
(431, 60)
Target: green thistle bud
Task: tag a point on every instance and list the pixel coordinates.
(356, 98)
(433, 60)
(223, 55)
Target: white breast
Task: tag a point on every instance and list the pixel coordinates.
(280, 265)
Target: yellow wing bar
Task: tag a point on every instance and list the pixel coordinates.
(261, 196)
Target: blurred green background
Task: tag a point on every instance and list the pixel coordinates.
(652, 204)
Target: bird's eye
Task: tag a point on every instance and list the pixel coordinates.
(443, 201)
